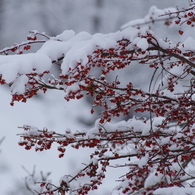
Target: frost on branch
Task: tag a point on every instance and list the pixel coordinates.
(153, 16)
(158, 150)
(161, 158)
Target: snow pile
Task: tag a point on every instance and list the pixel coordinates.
(154, 14)
(174, 191)
(72, 49)
(12, 65)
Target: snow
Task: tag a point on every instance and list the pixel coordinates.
(12, 65)
(143, 162)
(72, 48)
(189, 43)
(64, 179)
(130, 33)
(57, 115)
(154, 14)
(33, 131)
(134, 124)
(157, 120)
(75, 48)
(152, 179)
(142, 44)
(174, 191)
(52, 49)
(65, 35)
(19, 85)
(94, 161)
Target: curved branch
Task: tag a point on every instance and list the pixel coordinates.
(180, 57)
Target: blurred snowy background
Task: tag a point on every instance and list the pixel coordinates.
(50, 110)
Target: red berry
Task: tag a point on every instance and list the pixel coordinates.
(177, 21)
(190, 14)
(61, 155)
(14, 49)
(27, 47)
(188, 22)
(180, 32)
